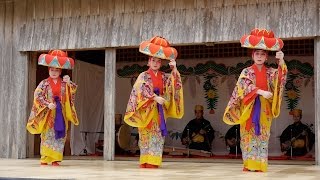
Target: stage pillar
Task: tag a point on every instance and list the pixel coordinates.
(317, 97)
(109, 104)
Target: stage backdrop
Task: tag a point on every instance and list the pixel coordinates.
(210, 82)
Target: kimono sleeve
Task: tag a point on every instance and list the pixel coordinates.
(278, 80)
(242, 99)
(174, 105)
(39, 111)
(141, 107)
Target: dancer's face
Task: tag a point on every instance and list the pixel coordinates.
(54, 73)
(154, 63)
(259, 57)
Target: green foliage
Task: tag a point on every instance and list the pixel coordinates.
(297, 71)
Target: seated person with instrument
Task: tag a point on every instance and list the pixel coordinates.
(232, 139)
(297, 136)
(198, 134)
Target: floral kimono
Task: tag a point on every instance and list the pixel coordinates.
(44, 121)
(254, 113)
(143, 112)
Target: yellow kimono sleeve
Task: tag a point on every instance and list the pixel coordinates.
(141, 107)
(39, 111)
(278, 82)
(70, 110)
(174, 104)
(236, 111)
(36, 124)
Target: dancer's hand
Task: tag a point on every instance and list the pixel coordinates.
(51, 106)
(66, 79)
(173, 65)
(265, 94)
(280, 56)
(159, 99)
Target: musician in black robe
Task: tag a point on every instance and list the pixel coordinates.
(232, 139)
(297, 136)
(198, 134)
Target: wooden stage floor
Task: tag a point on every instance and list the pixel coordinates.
(127, 168)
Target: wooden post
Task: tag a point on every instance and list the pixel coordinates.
(32, 68)
(13, 84)
(317, 97)
(109, 104)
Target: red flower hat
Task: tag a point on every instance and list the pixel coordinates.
(158, 47)
(56, 59)
(261, 39)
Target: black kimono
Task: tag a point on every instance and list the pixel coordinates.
(232, 139)
(199, 141)
(300, 137)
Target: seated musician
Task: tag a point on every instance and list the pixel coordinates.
(232, 139)
(198, 134)
(297, 136)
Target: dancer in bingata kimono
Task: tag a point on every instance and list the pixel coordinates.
(155, 96)
(256, 98)
(53, 107)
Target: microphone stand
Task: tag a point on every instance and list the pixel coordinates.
(188, 147)
(206, 136)
(291, 144)
(84, 150)
(209, 144)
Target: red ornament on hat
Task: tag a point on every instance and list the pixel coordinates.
(158, 47)
(261, 39)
